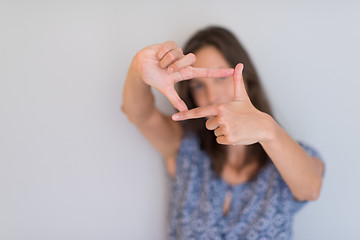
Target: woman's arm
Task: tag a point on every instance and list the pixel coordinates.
(301, 172)
(139, 106)
(160, 66)
(138, 100)
(148, 68)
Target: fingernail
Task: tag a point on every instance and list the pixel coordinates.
(175, 117)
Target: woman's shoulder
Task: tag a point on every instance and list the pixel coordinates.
(190, 152)
(189, 141)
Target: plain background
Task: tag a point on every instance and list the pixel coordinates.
(73, 167)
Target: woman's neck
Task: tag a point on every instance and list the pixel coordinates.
(236, 156)
(236, 170)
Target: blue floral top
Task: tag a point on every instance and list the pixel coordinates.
(260, 209)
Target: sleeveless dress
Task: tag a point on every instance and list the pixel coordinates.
(260, 209)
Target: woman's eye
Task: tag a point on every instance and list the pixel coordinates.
(220, 79)
(196, 86)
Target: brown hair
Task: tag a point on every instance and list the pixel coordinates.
(228, 45)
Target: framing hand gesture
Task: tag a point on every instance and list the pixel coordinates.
(234, 122)
(163, 65)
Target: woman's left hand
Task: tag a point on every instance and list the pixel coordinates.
(234, 122)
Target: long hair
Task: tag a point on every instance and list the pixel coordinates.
(229, 46)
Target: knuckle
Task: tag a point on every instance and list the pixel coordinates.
(180, 51)
(170, 43)
(196, 111)
(221, 120)
(170, 56)
(229, 138)
(220, 109)
(166, 47)
(225, 129)
(158, 54)
(191, 57)
(176, 66)
(162, 64)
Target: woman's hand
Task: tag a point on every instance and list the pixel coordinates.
(234, 122)
(163, 65)
(239, 122)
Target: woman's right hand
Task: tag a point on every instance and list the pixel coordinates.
(163, 65)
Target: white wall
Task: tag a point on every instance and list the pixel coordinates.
(73, 167)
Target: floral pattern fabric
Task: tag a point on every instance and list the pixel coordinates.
(260, 209)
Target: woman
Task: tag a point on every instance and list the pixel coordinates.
(235, 173)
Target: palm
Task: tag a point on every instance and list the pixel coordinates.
(162, 80)
(153, 74)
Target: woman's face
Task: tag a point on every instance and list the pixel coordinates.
(207, 91)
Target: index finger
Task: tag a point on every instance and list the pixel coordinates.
(211, 73)
(199, 112)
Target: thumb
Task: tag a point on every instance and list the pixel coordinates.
(175, 100)
(240, 93)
